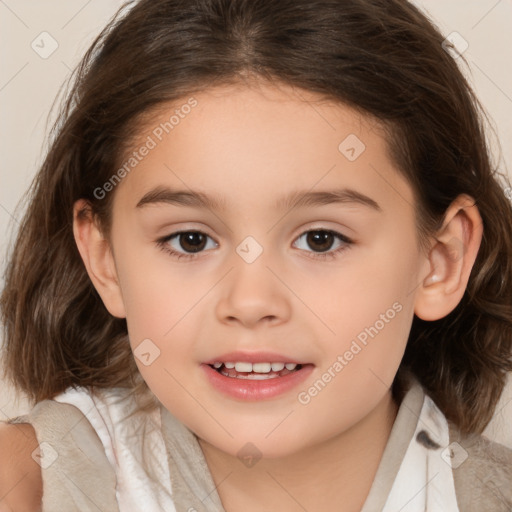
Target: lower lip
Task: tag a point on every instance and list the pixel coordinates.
(254, 390)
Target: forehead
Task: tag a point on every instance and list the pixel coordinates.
(236, 142)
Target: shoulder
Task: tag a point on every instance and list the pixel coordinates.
(482, 472)
(69, 450)
(20, 474)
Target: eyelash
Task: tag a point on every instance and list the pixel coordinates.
(162, 243)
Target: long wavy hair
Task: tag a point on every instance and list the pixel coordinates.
(382, 57)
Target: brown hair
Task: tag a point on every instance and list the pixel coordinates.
(382, 57)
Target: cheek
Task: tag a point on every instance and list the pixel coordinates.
(156, 293)
(366, 288)
(371, 325)
(163, 313)
(366, 308)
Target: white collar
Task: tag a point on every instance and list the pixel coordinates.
(159, 464)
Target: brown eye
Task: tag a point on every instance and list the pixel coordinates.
(323, 243)
(320, 240)
(185, 244)
(192, 241)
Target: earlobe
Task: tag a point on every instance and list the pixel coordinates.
(98, 259)
(451, 257)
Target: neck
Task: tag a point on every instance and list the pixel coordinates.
(336, 474)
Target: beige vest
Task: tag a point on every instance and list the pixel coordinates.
(82, 479)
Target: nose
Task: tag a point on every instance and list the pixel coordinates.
(253, 295)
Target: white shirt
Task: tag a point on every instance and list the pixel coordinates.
(414, 475)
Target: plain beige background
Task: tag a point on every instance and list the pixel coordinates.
(42, 41)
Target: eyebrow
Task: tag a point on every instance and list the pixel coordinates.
(297, 199)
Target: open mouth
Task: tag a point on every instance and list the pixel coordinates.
(255, 371)
(254, 381)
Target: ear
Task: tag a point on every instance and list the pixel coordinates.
(450, 260)
(98, 259)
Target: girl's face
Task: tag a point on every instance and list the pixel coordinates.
(244, 174)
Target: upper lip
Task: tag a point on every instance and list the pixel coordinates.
(254, 357)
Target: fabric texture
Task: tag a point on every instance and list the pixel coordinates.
(77, 476)
(99, 453)
(415, 476)
(483, 479)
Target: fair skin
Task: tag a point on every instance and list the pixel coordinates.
(20, 476)
(250, 147)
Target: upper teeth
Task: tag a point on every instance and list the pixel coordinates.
(256, 367)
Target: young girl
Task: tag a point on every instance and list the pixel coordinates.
(266, 265)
